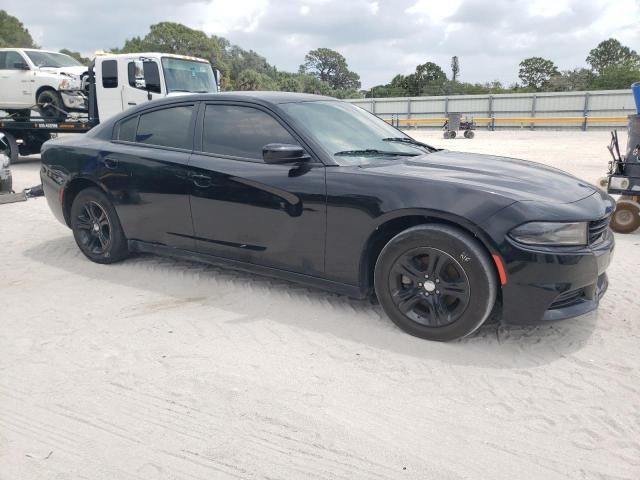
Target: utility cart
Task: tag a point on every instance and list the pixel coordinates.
(454, 123)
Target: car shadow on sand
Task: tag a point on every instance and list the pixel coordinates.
(362, 324)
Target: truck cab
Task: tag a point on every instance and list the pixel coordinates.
(125, 80)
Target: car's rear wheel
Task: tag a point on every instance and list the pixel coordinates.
(469, 134)
(96, 227)
(435, 282)
(50, 105)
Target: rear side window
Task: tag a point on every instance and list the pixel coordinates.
(170, 127)
(110, 74)
(127, 129)
(240, 131)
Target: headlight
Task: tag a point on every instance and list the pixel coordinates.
(69, 84)
(551, 233)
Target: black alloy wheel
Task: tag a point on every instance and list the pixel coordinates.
(94, 228)
(430, 287)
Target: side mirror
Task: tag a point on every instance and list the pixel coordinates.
(151, 77)
(20, 66)
(218, 76)
(284, 153)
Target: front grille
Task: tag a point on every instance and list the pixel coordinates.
(567, 299)
(598, 230)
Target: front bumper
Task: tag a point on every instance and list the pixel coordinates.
(74, 100)
(547, 285)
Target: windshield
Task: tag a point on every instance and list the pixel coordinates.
(188, 76)
(355, 135)
(48, 59)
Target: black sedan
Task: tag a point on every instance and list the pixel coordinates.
(318, 191)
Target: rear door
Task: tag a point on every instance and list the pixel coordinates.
(244, 209)
(147, 174)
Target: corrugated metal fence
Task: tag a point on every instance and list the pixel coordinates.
(606, 108)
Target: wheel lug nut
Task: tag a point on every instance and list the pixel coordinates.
(437, 280)
(438, 292)
(419, 284)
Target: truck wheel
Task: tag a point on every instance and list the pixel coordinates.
(469, 134)
(20, 115)
(9, 146)
(626, 217)
(435, 282)
(50, 105)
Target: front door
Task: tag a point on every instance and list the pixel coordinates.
(16, 85)
(244, 209)
(134, 90)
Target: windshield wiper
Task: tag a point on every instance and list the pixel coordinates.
(373, 152)
(410, 141)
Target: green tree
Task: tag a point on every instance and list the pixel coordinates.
(570, 81)
(330, 66)
(535, 72)
(77, 56)
(616, 77)
(252, 80)
(611, 52)
(427, 79)
(13, 33)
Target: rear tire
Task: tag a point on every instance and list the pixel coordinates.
(435, 282)
(50, 105)
(469, 134)
(9, 146)
(96, 227)
(626, 217)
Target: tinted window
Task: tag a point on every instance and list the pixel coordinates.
(240, 131)
(110, 74)
(127, 129)
(8, 59)
(169, 127)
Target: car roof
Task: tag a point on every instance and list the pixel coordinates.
(262, 97)
(29, 50)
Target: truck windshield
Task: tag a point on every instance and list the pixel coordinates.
(188, 76)
(49, 59)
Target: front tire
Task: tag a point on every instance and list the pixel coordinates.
(50, 106)
(96, 227)
(435, 282)
(626, 217)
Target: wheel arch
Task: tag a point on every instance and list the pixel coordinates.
(71, 191)
(43, 88)
(404, 220)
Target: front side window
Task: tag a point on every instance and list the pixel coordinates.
(169, 127)
(241, 131)
(9, 59)
(110, 74)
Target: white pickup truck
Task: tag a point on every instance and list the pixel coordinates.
(70, 97)
(56, 84)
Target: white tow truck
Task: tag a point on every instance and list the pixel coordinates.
(110, 85)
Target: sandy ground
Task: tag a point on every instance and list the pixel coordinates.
(162, 369)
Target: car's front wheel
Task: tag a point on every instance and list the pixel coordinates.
(50, 105)
(435, 282)
(96, 227)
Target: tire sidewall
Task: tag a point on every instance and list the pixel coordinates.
(118, 249)
(473, 259)
(634, 209)
(55, 99)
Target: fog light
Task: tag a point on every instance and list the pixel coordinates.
(619, 183)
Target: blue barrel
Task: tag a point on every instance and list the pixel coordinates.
(635, 88)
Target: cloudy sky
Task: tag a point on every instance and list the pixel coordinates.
(378, 38)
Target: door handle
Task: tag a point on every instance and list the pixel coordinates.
(111, 163)
(202, 181)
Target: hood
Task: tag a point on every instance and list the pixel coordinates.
(519, 180)
(73, 71)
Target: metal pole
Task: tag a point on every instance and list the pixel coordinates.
(492, 125)
(533, 109)
(586, 111)
(446, 106)
(408, 110)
